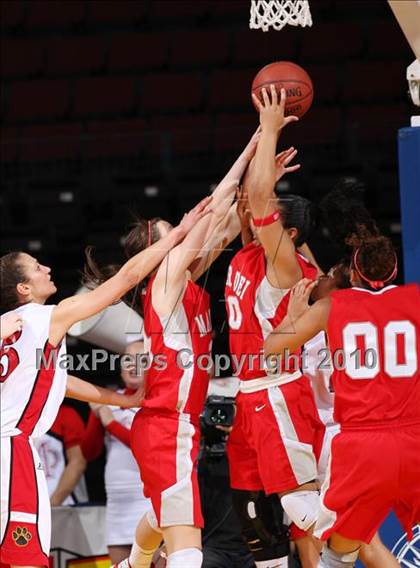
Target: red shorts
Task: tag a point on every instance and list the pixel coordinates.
(25, 505)
(372, 471)
(166, 449)
(276, 438)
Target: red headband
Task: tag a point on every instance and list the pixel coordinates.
(375, 284)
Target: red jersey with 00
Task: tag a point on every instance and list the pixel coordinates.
(179, 347)
(254, 308)
(374, 339)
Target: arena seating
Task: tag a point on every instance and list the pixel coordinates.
(114, 96)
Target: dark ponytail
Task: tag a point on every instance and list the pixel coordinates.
(11, 274)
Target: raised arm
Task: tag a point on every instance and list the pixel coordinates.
(301, 323)
(230, 226)
(172, 274)
(82, 306)
(87, 392)
(283, 267)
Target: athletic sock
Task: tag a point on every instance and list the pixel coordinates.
(331, 559)
(191, 557)
(140, 558)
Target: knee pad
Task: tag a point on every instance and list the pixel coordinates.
(331, 559)
(152, 520)
(302, 507)
(263, 529)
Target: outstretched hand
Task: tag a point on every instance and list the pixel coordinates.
(271, 109)
(299, 298)
(282, 162)
(191, 218)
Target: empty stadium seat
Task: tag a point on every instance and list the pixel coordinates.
(374, 81)
(11, 13)
(232, 131)
(199, 47)
(231, 89)
(100, 95)
(32, 100)
(181, 10)
(9, 144)
(21, 57)
(114, 138)
(325, 81)
(115, 11)
(50, 142)
(44, 13)
(258, 48)
(321, 125)
(387, 39)
(187, 134)
(67, 55)
(170, 92)
(379, 123)
(327, 41)
(138, 50)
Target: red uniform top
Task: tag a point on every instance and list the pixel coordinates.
(179, 346)
(254, 308)
(374, 339)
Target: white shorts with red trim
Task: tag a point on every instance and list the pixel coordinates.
(166, 447)
(25, 504)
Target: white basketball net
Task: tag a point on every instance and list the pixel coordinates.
(278, 13)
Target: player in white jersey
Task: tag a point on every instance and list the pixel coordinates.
(34, 382)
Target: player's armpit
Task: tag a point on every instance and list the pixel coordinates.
(291, 335)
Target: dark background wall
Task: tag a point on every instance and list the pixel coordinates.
(117, 106)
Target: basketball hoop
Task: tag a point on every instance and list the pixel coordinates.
(278, 13)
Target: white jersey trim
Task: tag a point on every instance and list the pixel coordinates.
(262, 383)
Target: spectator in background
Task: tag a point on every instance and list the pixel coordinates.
(110, 426)
(62, 459)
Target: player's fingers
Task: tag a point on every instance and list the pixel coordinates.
(290, 156)
(291, 118)
(274, 98)
(203, 203)
(257, 102)
(282, 99)
(291, 169)
(265, 97)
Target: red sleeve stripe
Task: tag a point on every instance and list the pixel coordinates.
(40, 391)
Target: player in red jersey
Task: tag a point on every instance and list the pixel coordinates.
(373, 333)
(34, 383)
(177, 327)
(277, 433)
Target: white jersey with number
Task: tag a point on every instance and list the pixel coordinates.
(33, 383)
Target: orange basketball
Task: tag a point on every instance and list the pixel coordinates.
(287, 75)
